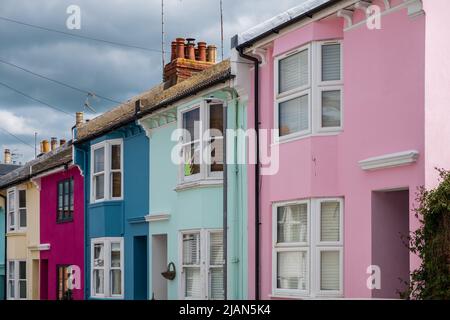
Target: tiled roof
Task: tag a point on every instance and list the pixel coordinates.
(152, 100)
(54, 159)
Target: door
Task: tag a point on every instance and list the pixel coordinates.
(140, 263)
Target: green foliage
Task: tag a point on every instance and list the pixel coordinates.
(431, 243)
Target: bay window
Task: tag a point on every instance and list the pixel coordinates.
(308, 90)
(308, 248)
(107, 268)
(17, 209)
(107, 171)
(16, 280)
(201, 144)
(202, 265)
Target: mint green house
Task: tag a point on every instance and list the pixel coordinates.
(186, 218)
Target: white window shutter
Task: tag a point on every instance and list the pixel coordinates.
(293, 71)
(331, 62)
(329, 270)
(330, 221)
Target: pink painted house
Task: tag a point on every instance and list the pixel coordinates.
(61, 226)
(360, 103)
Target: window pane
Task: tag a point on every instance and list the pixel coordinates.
(331, 62)
(115, 157)
(192, 283)
(22, 270)
(329, 270)
(99, 186)
(99, 255)
(115, 255)
(99, 160)
(216, 154)
(291, 270)
(331, 108)
(12, 289)
(12, 221)
(22, 289)
(191, 249)
(11, 270)
(12, 201)
(116, 282)
(189, 120)
(294, 115)
(22, 199)
(216, 248)
(99, 281)
(216, 285)
(329, 221)
(216, 119)
(116, 178)
(292, 223)
(293, 71)
(23, 218)
(191, 159)
(71, 194)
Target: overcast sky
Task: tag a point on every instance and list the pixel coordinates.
(114, 72)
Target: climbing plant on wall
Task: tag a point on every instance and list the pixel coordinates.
(431, 243)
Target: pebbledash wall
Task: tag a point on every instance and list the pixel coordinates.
(122, 219)
(64, 239)
(387, 109)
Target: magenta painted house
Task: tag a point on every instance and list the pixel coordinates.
(361, 105)
(61, 229)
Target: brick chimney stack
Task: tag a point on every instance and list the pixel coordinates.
(188, 59)
(7, 157)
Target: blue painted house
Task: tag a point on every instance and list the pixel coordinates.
(114, 162)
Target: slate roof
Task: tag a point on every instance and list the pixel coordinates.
(260, 31)
(54, 159)
(152, 100)
(6, 168)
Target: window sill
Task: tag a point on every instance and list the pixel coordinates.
(64, 221)
(199, 184)
(105, 203)
(304, 297)
(288, 139)
(16, 233)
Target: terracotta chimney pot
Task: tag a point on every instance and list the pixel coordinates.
(211, 53)
(173, 51)
(180, 48)
(45, 146)
(79, 118)
(202, 51)
(62, 142)
(54, 143)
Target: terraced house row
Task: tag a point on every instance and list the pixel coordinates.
(154, 199)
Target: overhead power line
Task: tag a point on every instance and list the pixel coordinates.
(34, 99)
(115, 43)
(18, 138)
(56, 81)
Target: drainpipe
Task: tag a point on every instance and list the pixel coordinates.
(6, 240)
(225, 202)
(257, 219)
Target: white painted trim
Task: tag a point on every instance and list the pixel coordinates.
(157, 217)
(107, 145)
(40, 247)
(106, 267)
(210, 183)
(312, 247)
(389, 160)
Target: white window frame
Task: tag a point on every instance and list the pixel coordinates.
(205, 266)
(313, 249)
(107, 145)
(315, 88)
(16, 280)
(205, 172)
(106, 242)
(16, 212)
(292, 94)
